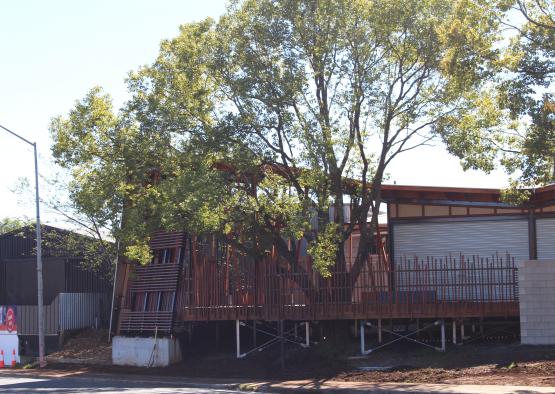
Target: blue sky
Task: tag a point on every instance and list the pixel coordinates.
(53, 52)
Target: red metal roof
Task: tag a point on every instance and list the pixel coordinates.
(540, 197)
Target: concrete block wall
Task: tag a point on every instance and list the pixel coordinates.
(145, 352)
(536, 279)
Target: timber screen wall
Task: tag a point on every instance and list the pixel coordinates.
(200, 279)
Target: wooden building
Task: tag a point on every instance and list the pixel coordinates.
(433, 221)
(451, 253)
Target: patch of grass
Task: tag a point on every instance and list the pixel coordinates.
(248, 387)
(509, 366)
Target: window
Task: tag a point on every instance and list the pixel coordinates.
(152, 301)
(166, 301)
(138, 302)
(164, 256)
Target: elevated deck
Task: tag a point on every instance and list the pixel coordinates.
(229, 286)
(455, 310)
(434, 288)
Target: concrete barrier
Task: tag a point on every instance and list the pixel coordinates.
(536, 279)
(145, 352)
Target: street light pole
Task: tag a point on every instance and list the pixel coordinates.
(40, 290)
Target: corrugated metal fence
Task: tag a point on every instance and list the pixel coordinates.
(68, 311)
(27, 319)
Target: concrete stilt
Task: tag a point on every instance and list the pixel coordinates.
(362, 342)
(454, 332)
(379, 330)
(307, 334)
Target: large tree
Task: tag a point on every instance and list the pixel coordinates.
(255, 125)
(526, 90)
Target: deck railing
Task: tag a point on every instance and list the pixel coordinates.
(430, 287)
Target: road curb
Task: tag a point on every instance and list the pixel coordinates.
(398, 388)
(121, 378)
(308, 386)
(77, 361)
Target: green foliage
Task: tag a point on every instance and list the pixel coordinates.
(324, 249)
(290, 97)
(515, 195)
(10, 224)
(526, 94)
(139, 252)
(88, 239)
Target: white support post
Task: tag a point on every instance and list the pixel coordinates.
(307, 334)
(442, 335)
(379, 330)
(282, 344)
(454, 332)
(238, 337)
(362, 344)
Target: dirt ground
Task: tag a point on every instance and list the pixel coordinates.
(488, 362)
(87, 345)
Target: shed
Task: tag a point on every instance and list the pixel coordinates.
(74, 296)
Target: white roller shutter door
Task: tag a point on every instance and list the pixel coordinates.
(545, 234)
(469, 237)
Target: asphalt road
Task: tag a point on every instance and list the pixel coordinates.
(70, 385)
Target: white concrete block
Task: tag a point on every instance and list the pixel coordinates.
(537, 302)
(547, 327)
(145, 352)
(532, 319)
(538, 341)
(9, 343)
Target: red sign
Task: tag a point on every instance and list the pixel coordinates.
(8, 319)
